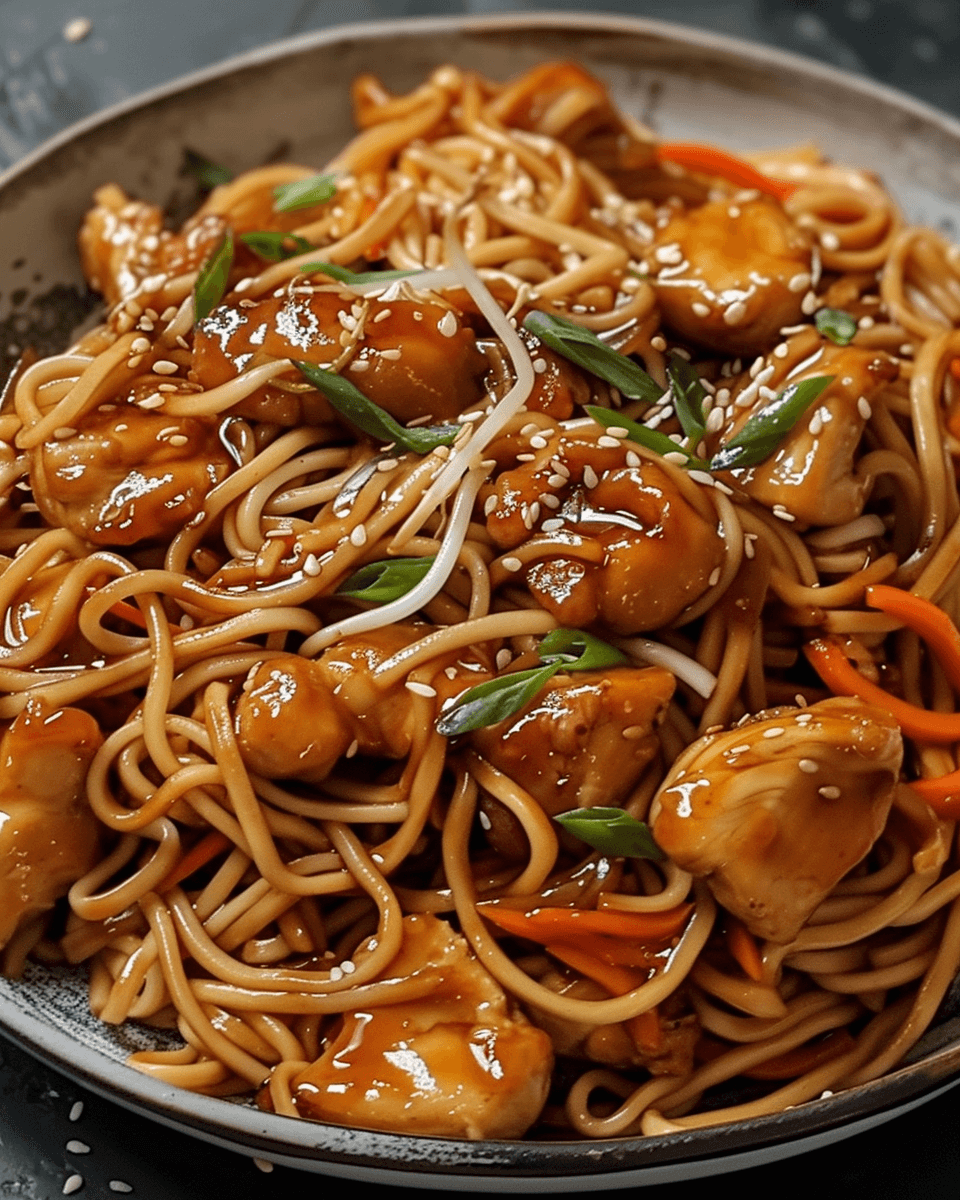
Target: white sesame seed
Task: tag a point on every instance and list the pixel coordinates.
(526, 458)
(590, 477)
(552, 524)
(489, 505)
(504, 659)
(715, 419)
(748, 540)
(140, 345)
(864, 409)
(119, 1185)
(163, 366)
(539, 443)
(77, 1147)
(829, 240)
(658, 343)
(511, 564)
(799, 282)
(816, 424)
(77, 1111)
(734, 313)
(866, 322)
(741, 749)
(335, 973)
(608, 443)
(451, 672)
(179, 439)
(359, 365)
(782, 513)
(73, 1184)
(382, 315)
(670, 255)
(700, 309)
(549, 500)
(447, 325)
(352, 748)
(829, 793)
(557, 480)
(358, 535)
(154, 400)
(808, 305)
(677, 457)
(65, 431)
(311, 565)
(539, 365)
(775, 732)
(421, 689)
(75, 31)
(390, 355)
(808, 766)
(756, 367)
(714, 577)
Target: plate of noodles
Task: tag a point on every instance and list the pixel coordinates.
(479, 547)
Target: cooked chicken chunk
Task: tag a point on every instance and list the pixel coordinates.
(414, 358)
(560, 747)
(127, 474)
(631, 551)
(460, 1062)
(812, 473)
(730, 273)
(774, 813)
(48, 835)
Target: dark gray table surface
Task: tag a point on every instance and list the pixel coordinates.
(52, 1129)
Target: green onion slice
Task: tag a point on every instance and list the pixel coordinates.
(689, 395)
(652, 439)
(274, 247)
(354, 406)
(579, 651)
(761, 435)
(208, 174)
(835, 324)
(384, 581)
(304, 193)
(354, 278)
(611, 831)
(495, 700)
(212, 278)
(584, 348)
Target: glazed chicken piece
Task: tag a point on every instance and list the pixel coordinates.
(123, 243)
(812, 473)
(414, 358)
(729, 274)
(630, 550)
(775, 812)
(296, 717)
(459, 1062)
(49, 837)
(128, 474)
(560, 747)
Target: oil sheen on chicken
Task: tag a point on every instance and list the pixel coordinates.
(49, 837)
(459, 1062)
(775, 812)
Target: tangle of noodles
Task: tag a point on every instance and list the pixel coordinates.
(226, 755)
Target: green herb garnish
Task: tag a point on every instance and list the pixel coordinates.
(208, 174)
(212, 278)
(689, 396)
(611, 831)
(497, 699)
(386, 580)
(275, 247)
(765, 430)
(643, 435)
(354, 278)
(835, 324)
(585, 349)
(354, 406)
(304, 193)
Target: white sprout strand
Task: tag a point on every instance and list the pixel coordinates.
(426, 589)
(684, 667)
(857, 530)
(423, 281)
(467, 456)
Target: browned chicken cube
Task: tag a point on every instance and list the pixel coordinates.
(775, 812)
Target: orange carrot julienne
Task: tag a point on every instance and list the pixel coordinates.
(954, 367)
(133, 615)
(644, 1028)
(196, 857)
(833, 667)
(799, 1061)
(708, 160)
(923, 617)
(744, 949)
(575, 924)
(942, 793)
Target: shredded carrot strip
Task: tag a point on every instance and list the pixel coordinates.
(831, 664)
(196, 857)
(796, 1062)
(955, 367)
(743, 946)
(133, 615)
(643, 1028)
(941, 793)
(576, 924)
(923, 617)
(708, 160)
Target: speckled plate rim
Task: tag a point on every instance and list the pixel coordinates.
(494, 1166)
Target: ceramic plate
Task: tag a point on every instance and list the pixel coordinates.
(292, 99)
